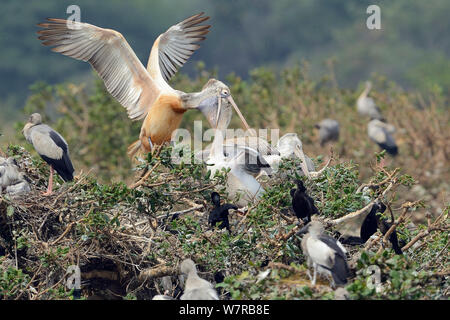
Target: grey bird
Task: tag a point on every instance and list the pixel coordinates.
(366, 106)
(324, 253)
(195, 287)
(381, 133)
(328, 131)
(290, 147)
(12, 181)
(52, 148)
(162, 297)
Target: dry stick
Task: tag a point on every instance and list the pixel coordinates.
(374, 185)
(157, 272)
(29, 283)
(72, 187)
(287, 236)
(424, 233)
(406, 206)
(180, 212)
(279, 265)
(70, 227)
(140, 182)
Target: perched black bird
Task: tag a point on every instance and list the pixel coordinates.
(302, 203)
(220, 212)
(370, 225)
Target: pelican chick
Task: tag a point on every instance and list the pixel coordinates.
(244, 164)
(195, 287)
(12, 180)
(52, 148)
(290, 146)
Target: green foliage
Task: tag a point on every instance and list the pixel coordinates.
(399, 279)
(338, 186)
(12, 282)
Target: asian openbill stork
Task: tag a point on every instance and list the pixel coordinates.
(52, 148)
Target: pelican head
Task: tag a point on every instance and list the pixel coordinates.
(215, 102)
(289, 144)
(187, 266)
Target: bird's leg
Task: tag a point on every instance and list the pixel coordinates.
(150, 143)
(308, 273)
(315, 274)
(50, 183)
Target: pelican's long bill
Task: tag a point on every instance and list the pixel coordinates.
(219, 108)
(299, 153)
(231, 100)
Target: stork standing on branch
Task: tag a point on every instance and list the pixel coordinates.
(52, 148)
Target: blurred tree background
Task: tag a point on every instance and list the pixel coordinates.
(412, 48)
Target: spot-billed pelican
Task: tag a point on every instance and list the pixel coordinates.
(12, 181)
(290, 146)
(145, 93)
(366, 106)
(244, 163)
(195, 287)
(52, 148)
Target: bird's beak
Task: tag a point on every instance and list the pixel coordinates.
(231, 100)
(299, 153)
(302, 230)
(219, 108)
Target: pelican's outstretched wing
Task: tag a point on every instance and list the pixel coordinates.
(174, 47)
(110, 55)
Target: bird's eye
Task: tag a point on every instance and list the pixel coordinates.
(225, 92)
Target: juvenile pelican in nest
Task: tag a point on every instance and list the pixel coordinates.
(244, 163)
(196, 288)
(145, 93)
(289, 147)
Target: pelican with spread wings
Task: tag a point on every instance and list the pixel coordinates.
(145, 93)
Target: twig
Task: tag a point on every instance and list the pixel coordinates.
(157, 272)
(180, 212)
(279, 265)
(142, 180)
(424, 233)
